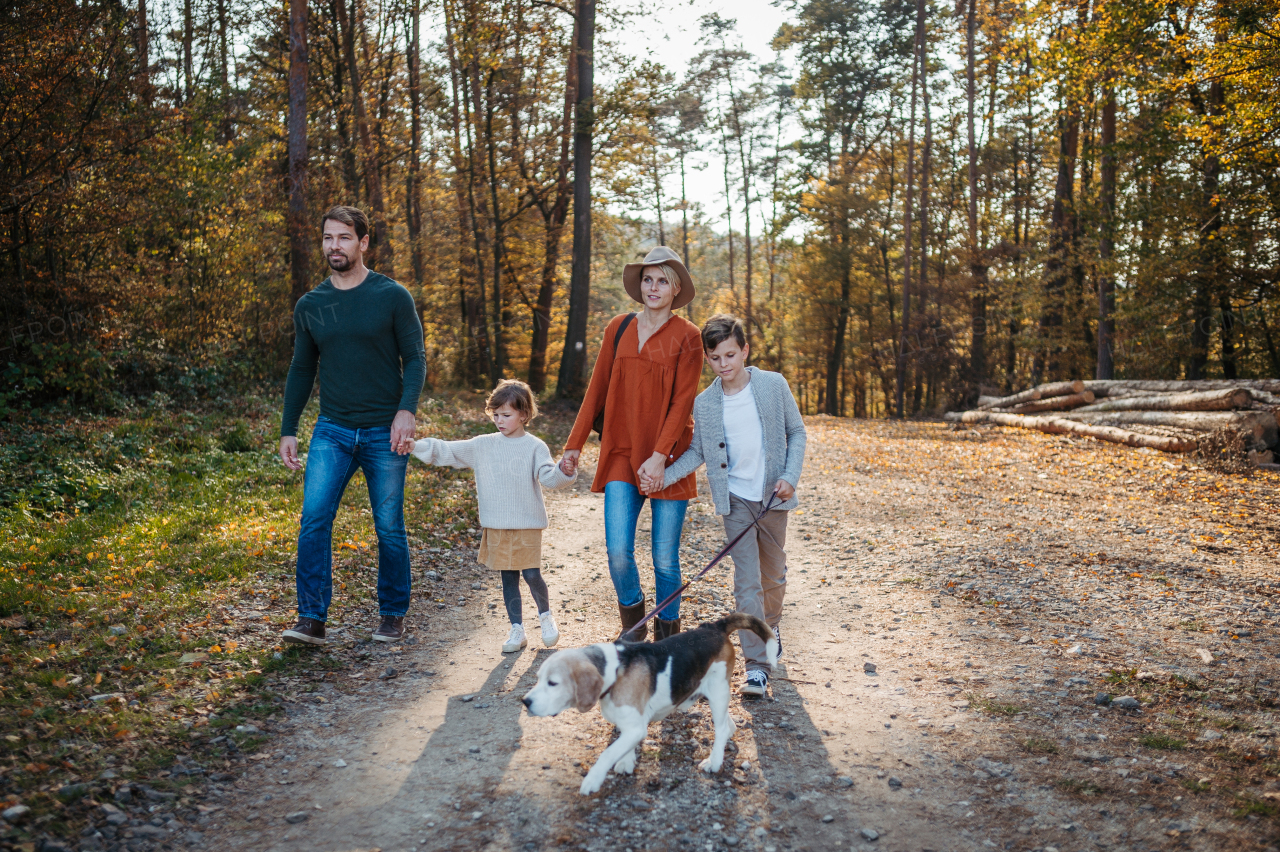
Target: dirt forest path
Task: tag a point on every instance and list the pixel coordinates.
(950, 622)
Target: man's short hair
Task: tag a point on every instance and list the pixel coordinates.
(720, 328)
(352, 216)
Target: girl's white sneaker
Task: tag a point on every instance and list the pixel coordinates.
(515, 641)
(550, 634)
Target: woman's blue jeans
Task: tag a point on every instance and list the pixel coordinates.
(622, 504)
(333, 457)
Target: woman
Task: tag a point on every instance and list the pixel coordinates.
(644, 381)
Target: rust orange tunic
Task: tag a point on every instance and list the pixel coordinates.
(647, 398)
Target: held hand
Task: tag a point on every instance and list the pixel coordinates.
(652, 473)
(785, 490)
(569, 462)
(402, 429)
(289, 452)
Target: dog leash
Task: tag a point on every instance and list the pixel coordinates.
(715, 560)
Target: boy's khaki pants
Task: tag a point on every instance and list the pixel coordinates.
(759, 570)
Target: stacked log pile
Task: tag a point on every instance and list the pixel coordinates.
(1173, 416)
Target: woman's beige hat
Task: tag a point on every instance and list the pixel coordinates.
(660, 256)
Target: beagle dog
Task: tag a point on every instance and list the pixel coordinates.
(640, 682)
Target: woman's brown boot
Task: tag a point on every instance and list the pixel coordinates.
(663, 628)
(631, 616)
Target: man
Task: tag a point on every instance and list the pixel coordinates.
(360, 332)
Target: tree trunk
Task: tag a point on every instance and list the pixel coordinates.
(657, 195)
(1046, 363)
(477, 360)
(499, 365)
(1227, 330)
(728, 205)
(1054, 403)
(908, 202)
(744, 163)
(977, 265)
(300, 236)
(835, 358)
(346, 153)
(684, 224)
(773, 196)
(1032, 394)
(1211, 255)
(144, 49)
(1257, 427)
(1060, 425)
(1057, 269)
(479, 206)
(224, 75)
(926, 165)
(1106, 245)
(1119, 386)
(553, 232)
(384, 254)
(573, 363)
(188, 40)
(413, 188)
(1208, 400)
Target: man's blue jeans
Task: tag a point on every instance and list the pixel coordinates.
(334, 455)
(622, 504)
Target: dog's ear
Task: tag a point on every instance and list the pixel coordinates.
(587, 684)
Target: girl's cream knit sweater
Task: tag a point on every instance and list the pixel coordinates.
(508, 473)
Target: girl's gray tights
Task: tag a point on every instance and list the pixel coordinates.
(511, 592)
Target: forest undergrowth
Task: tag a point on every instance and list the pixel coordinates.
(146, 571)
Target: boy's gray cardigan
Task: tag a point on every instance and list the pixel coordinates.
(784, 438)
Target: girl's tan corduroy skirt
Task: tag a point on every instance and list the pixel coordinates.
(511, 550)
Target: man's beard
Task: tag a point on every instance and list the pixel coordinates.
(339, 265)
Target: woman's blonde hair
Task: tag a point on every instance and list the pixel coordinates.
(516, 394)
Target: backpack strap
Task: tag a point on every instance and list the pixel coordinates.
(617, 338)
(597, 425)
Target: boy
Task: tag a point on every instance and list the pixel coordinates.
(747, 430)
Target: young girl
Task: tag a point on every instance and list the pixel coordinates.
(509, 466)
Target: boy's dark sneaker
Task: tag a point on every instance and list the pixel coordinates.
(390, 630)
(308, 631)
(755, 685)
(777, 634)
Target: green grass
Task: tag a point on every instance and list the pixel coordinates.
(170, 527)
(1195, 786)
(1162, 741)
(1256, 807)
(1078, 787)
(1040, 745)
(1114, 676)
(995, 708)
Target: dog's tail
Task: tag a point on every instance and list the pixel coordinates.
(742, 621)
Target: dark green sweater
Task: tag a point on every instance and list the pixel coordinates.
(357, 340)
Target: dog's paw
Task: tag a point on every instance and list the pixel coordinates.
(711, 764)
(590, 785)
(627, 765)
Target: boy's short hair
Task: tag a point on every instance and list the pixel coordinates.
(720, 328)
(516, 394)
(353, 217)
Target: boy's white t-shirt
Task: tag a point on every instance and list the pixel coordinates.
(744, 442)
